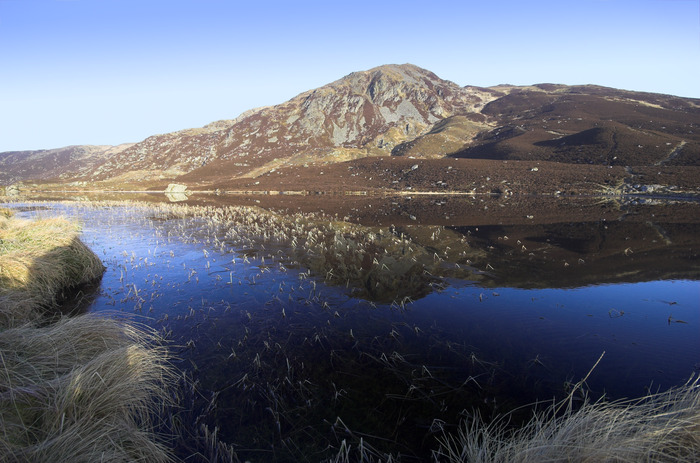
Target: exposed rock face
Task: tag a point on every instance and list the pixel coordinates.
(176, 188)
(363, 114)
(12, 190)
(176, 192)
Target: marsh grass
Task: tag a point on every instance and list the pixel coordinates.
(83, 389)
(80, 389)
(661, 427)
(39, 261)
(381, 263)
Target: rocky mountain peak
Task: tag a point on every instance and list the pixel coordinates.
(365, 113)
(388, 83)
(376, 82)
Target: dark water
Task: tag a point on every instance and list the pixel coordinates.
(393, 330)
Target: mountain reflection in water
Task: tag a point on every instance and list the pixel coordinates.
(311, 320)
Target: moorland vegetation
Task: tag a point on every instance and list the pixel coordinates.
(79, 388)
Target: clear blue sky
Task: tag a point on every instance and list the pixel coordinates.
(115, 71)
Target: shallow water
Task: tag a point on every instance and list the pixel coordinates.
(298, 342)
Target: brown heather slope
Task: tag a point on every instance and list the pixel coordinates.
(396, 175)
(579, 124)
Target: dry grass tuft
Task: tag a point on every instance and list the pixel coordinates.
(81, 390)
(5, 215)
(38, 261)
(663, 427)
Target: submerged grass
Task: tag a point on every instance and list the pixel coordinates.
(660, 428)
(79, 389)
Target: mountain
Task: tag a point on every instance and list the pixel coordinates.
(363, 114)
(401, 111)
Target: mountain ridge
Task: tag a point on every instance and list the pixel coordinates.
(57, 164)
(365, 113)
(399, 111)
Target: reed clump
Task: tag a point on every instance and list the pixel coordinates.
(39, 261)
(662, 427)
(80, 389)
(83, 389)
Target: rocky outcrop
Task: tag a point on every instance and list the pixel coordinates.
(12, 190)
(176, 192)
(363, 114)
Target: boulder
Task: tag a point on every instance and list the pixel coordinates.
(176, 188)
(12, 190)
(176, 192)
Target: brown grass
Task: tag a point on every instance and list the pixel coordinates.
(39, 260)
(662, 427)
(73, 389)
(84, 389)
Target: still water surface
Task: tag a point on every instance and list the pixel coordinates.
(335, 329)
